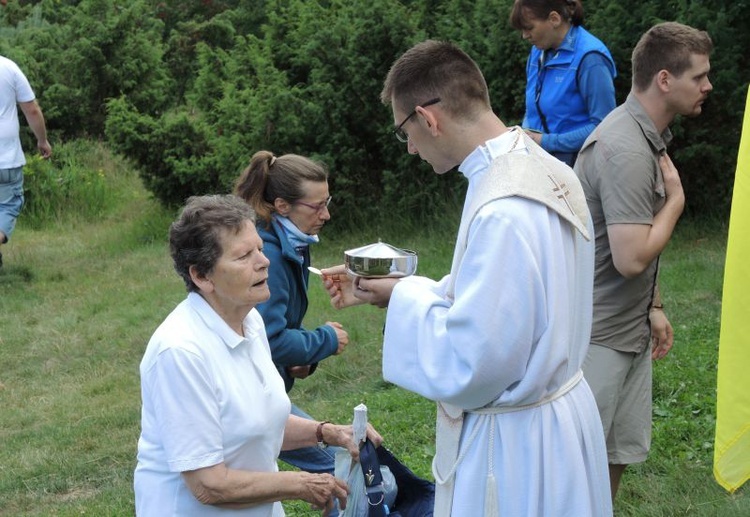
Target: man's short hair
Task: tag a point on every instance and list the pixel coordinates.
(667, 46)
(437, 69)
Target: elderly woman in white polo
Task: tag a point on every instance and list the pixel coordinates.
(215, 412)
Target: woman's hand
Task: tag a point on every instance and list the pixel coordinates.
(321, 490)
(230, 488)
(343, 436)
(341, 334)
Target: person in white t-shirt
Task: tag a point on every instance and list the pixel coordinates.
(215, 412)
(15, 90)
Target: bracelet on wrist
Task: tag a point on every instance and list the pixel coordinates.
(319, 435)
(660, 307)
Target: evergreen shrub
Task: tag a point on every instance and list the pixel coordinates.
(191, 89)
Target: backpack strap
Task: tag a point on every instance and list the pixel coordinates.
(374, 488)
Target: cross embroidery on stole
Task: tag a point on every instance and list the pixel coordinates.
(562, 192)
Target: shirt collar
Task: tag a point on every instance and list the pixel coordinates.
(658, 141)
(481, 157)
(567, 47)
(569, 41)
(214, 322)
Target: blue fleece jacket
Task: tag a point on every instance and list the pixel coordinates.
(291, 344)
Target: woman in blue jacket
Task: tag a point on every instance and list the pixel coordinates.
(290, 197)
(569, 75)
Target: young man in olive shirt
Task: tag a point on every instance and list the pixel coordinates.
(635, 197)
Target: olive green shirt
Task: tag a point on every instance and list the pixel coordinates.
(619, 170)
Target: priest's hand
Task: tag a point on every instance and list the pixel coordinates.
(375, 291)
(340, 287)
(535, 135)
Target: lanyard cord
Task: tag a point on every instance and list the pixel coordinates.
(539, 80)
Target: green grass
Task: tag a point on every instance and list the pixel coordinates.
(79, 298)
(677, 479)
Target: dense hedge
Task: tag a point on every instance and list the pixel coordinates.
(190, 89)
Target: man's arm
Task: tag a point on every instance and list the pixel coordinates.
(635, 246)
(35, 118)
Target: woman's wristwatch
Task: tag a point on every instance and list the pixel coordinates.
(319, 435)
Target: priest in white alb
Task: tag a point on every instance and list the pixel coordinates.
(500, 341)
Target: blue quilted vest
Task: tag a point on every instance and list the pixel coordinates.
(553, 101)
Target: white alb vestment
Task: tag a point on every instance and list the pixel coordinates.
(508, 328)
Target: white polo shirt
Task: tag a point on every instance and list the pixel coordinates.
(209, 395)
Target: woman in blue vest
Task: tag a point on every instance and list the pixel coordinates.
(569, 75)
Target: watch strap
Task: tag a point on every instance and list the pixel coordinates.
(319, 434)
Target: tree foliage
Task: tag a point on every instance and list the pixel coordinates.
(94, 51)
(191, 89)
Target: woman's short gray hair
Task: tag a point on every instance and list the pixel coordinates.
(195, 237)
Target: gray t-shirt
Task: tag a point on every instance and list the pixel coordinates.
(619, 170)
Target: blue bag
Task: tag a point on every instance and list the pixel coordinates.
(415, 496)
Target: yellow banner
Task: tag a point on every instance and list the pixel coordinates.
(732, 445)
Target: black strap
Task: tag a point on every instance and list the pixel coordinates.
(368, 459)
(539, 79)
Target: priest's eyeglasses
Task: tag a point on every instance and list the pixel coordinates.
(318, 207)
(399, 131)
